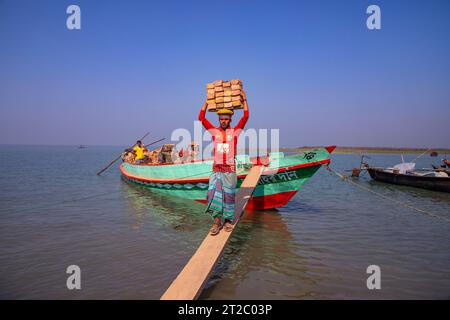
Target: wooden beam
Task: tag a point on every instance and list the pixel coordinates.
(190, 282)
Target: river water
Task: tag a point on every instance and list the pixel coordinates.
(130, 243)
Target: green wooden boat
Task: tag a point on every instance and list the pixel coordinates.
(283, 176)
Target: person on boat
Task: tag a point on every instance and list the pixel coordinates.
(446, 162)
(169, 153)
(222, 182)
(189, 154)
(139, 149)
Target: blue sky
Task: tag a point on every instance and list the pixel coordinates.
(310, 68)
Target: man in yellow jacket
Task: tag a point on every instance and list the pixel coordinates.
(139, 150)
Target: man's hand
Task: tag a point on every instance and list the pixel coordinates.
(205, 105)
(244, 96)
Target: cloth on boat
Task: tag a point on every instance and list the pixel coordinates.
(221, 195)
(405, 167)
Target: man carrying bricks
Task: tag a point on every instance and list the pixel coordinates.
(222, 182)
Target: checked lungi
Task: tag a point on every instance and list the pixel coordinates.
(221, 194)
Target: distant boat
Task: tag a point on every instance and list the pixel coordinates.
(431, 180)
(81, 146)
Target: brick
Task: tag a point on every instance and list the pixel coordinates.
(237, 104)
(211, 106)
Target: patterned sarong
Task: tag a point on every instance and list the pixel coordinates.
(221, 194)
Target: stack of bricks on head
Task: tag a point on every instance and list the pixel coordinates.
(224, 95)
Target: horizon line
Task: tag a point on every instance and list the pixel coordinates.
(284, 147)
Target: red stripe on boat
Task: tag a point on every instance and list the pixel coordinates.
(267, 202)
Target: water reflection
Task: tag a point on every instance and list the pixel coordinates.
(256, 260)
(174, 212)
(430, 202)
(410, 191)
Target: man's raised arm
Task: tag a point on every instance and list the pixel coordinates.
(243, 121)
(202, 118)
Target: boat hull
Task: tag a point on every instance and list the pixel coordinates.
(429, 183)
(281, 180)
(267, 201)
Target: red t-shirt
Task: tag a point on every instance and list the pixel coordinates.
(225, 142)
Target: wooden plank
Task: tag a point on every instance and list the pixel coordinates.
(190, 282)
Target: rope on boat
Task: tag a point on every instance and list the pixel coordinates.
(345, 178)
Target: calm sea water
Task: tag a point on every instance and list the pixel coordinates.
(130, 243)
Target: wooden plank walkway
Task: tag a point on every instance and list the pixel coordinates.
(190, 282)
